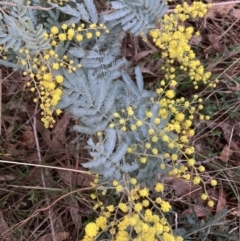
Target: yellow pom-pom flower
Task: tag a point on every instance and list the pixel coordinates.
(54, 30)
(91, 230)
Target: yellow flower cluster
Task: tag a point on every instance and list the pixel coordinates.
(59, 2)
(41, 67)
(167, 133)
(173, 39)
(48, 85)
(174, 136)
(3, 53)
(142, 214)
(74, 32)
(180, 124)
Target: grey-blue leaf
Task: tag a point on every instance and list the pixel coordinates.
(130, 84)
(95, 154)
(129, 167)
(130, 25)
(8, 64)
(76, 52)
(120, 152)
(110, 142)
(95, 163)
(91, 10)
(116, 14)
(5, 39)
(139, 77)
(83, 129)
(117, 5)
(83, 12)
(90, 142)
(67, 9)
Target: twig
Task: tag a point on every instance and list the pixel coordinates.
(45, 166)
(36, 188)
(50, 212)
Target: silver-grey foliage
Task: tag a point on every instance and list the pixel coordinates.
(105, 84)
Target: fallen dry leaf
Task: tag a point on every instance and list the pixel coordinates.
(235, 13)
(75, 214)
(61, 126)
(27, 139)
(147, 71)
(73, 178)
(196, 40)
(219, 10)
(8, 177)
(231, 133)
(214, 40)
(141, 55)
(221, 203)
(5, 231)
(59, 236)
(236, 212)
(225, 153)
(181, 187)
(197, 210)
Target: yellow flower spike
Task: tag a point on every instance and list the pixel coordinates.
(64, 26)
(165, 206)
(133, 127)
(144, 192)
(138, 207)
(154, 139)
(55, 66)
(119, 188)
(123, 207)
(204, 196)
(133, 181)
(191, 162)
(124, 128)
(98, 33)
(143, 160)
(139, 123)
(54, 30)
(151, 131)
(174, 157)
(101, 222)
(159, 187)
(213, 183)
(89, 35)
(149, 114)
(130, 111)
(70, 33)
(93, 196)
(201, 169)
(155, 151)
(179, 238)
(79, 37)
(59, 79)
(62, 37)
(187, 176)
(210, 203)
(115, 183)
(145, 203)
(196, 180)
(91, 229)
